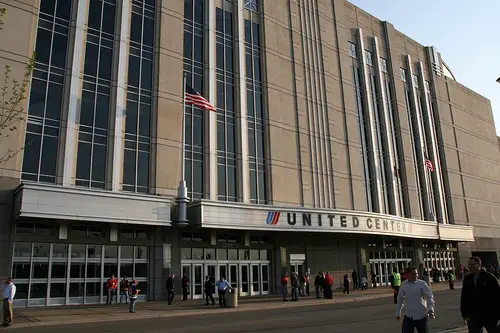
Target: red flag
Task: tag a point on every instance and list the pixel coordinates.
(428, 165)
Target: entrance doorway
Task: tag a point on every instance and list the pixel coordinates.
(383, 268)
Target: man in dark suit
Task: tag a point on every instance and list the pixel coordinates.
(480, 305)
(170, 289)
(208, 290)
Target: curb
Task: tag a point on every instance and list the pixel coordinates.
(149, 314)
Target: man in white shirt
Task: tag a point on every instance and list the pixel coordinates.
(222, 286)
(9, 291)
(417, 298)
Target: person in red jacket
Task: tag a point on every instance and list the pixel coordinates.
(111, 285)
(328, 285)
(284, 285)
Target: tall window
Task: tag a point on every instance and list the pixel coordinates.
(255, 113)
(94, 114)
(139, 96)
(193, 67)
(46, 95)
(413, 138)
(362, 127)
(226, 148)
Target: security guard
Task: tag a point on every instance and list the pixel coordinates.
(396, 283)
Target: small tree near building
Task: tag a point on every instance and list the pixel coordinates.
(12, 95)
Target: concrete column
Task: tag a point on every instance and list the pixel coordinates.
(75, 90)
(371, 119)
(121, 96)
(433, 151)
(210, 136)
(387, 123)
(243, 170)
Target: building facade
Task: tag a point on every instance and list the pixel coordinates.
(338, 143)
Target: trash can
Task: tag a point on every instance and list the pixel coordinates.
(232, 298)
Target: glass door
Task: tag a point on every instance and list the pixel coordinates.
(233, 276)
(211, 275)
(186, 270)
(244, 282)
(255, 280)
(198, 281)
(265, 279)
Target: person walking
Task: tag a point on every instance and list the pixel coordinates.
(346, 284)
(124, 287)
(307, 284)
(170, 289)
(395, 284)
(416, 297)
(295, 286)
(284, 286)
(317, 284)
(480, 301)
(364, 283)
(208, 290)
(9, 292)
(451, 279)
(111, 286)
(354, 277)
(222, 286)
(185, 287)
(133, 292)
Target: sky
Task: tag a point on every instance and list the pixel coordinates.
(465, 32)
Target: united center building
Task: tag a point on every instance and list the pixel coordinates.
(338, 143)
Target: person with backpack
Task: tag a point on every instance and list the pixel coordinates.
(284, 286)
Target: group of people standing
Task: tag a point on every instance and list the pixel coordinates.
(223, 286)
(128, 291)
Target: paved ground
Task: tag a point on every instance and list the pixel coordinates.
(360, 312)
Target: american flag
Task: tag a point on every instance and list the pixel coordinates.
(428, 165)
(194, 97)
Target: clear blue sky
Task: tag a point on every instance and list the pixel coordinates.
(465, 32)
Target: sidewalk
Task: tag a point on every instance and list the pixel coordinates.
(456, 330)
(47, 316)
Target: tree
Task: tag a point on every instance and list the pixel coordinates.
(12, 95)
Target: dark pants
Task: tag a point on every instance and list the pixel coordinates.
(208, 295)
(409, 325)
(395, 290)
(476, 325)
(354, 284)
(328, 292)
(111, 294)
(346, 288)
(451, 284)
(184, 293)
(170, 296)
(307, 289)
(222, 298)
(7, 312)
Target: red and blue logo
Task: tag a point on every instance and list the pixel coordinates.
(273, 218)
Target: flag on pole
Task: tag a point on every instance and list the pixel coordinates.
(193, 97)
(428, 165)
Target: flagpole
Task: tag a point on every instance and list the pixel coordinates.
(182, 198)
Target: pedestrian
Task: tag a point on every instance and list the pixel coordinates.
(295, 286)
(208, 290)
(374, 279)
(480, 301)
(395, 280)
(124, 287)
(9, 292)
(364, 283)
(284, 286)
(133, 292)
(111, 286)
(170, 289)
(328, 285)
(451, 279)
(302, 286)
(307, 285)
(222, 286)
(317, 284)
(354, 277)
(416, 297)
(346, 284)
(185, 287)
(323, 284)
